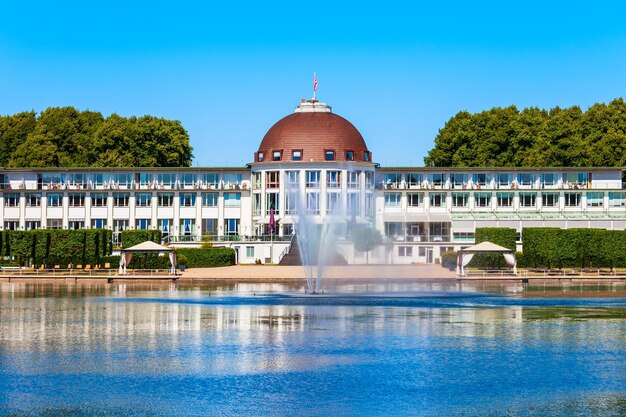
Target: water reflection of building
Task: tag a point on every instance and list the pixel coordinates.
(421, 212)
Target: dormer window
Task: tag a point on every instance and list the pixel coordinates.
(329, 155)
(260, 156)
(366, 156)
(276, 156)
(349, 155)
(296, 155)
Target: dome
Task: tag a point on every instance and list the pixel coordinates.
(312, 133)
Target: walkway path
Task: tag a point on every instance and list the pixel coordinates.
(269, 272)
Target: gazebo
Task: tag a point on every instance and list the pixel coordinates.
(146, 247)
(464, 256)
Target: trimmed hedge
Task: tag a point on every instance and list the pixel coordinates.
(501, 236)
(135, 237)
(578, 248)
(56, 246)
(207, 258)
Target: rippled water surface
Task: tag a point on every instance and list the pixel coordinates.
(365, 348)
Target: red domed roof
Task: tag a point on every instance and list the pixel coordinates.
(313, 133)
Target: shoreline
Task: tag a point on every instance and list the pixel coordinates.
(295, 274)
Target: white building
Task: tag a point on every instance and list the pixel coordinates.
(315, 161)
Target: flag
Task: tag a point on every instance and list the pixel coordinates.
(272, 220)
(314, 82)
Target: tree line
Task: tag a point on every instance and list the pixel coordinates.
(533, 137)
(67, 137)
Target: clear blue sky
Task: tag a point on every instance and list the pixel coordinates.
(229, 70)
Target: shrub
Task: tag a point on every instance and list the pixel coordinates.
(135, 237)
(448, 259)
(501, 236)
(206, 258)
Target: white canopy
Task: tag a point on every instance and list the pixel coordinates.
(464, 256)
(146, 247)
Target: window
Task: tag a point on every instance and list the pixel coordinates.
(353, 179)
(212, 180)
(122, 180)
(313, 203)
(76, 224)
(98, 200)
(296, 155)
(13, 225)
(143, 199)
(392, 199)
(366, 156)
(55, 200)
(165, 226)
(329, 155)
(575, 178)
(354, 204)
(312, 179)
(482, 200)
(76, 199)
(572, 199)
(333, 179)
(98, 223)
(256, 180)
(505, 199)
(405, 251)
(142, 224)
(458, 180)
(291, 205)
(98, 179)
(272, 179)
(394, 229)
(166, 181)
(437, 199)
(232, 179)
(53, 224)
(33, 224)
(209, 199)
(525, 180)
(209, 227)
(414, 179)
(249, 251)
(271, 201)
(332, 202)
(369, 179)
(232, 199)
(12, 200)
(293, 179)
(120, 199)
(437, 180)
(77, 181)
(550, 199)
(460, 199)
(439, 231)
(369, 204)
(52, 181)
(391, 180)
(276, 156)
(188, 180)
(349, 155)
(256, 204)
(504, 180)
(527, 199)
(260, 156)
(415, 199)
(165, 199)
(595, 199)
(187, 227)
(231, 227)
(33, 200)
(480, 179)
(145, 179)
(187, 199)
(549, 180)
(617, 199)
